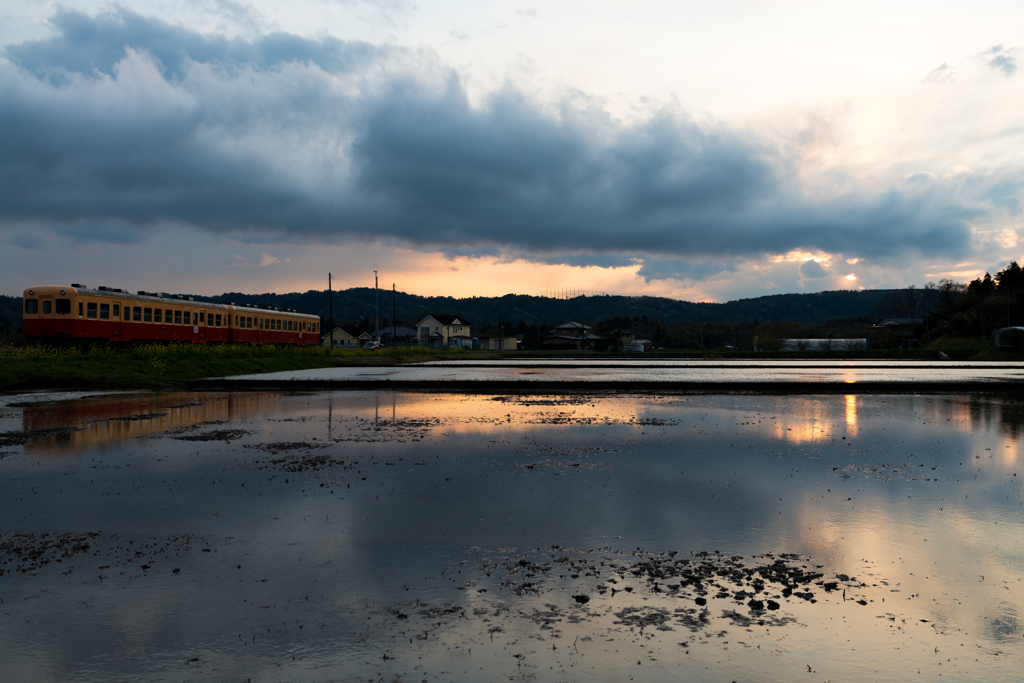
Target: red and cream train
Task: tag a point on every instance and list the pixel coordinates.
(55, 313)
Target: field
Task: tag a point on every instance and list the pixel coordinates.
(158, 366)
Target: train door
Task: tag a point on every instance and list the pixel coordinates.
(115, 322)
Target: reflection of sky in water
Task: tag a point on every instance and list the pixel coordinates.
(917, 496)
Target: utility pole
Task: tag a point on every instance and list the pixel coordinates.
(501, 340)
(330, 306)
(394, 315)
(376, 295)
(981, 316)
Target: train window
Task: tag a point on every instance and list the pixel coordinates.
(158, 315)
(195, 318)
(90, 310)
(47, 306)
(202, 318)
(248, 323)
(177, 317)
(62, 307)
(104, 311)
(147, 315)
(117, 310)
(31, 306)
(79, 309)
(216, 322)
(137, 314)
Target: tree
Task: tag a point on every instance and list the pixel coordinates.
(982, 287)
(1011, 277)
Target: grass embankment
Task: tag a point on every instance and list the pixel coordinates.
(157, 366)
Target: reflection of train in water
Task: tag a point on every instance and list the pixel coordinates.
(55, 313)
(69, 426)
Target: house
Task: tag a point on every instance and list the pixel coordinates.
(444, 331)
(896, 333)
(396, 335)
(498, 343)
(640, 345)
(570, 335)
(339, 339)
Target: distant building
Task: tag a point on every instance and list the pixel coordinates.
(896, 333)
(443, 332)
(570, 335)
(339, 339)
(396, 335)
(498, 343)
(640, 345)
(1009, 336)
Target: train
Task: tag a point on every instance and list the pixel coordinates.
(55, 314)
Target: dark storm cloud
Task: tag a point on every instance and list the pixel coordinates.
(121, 118)
(662, 269)
(85, 43)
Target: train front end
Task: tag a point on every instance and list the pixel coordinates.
(48, 312)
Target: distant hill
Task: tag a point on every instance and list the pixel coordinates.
(357, 303)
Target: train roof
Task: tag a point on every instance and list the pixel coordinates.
(175, 299)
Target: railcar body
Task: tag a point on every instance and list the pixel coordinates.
(59, 313)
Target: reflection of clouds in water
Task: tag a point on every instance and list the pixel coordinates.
(736, 473)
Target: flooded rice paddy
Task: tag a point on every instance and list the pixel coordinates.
(653, 370)
(411, 536)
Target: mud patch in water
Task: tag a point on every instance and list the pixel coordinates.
(29, 553)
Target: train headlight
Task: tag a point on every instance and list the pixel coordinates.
(31, 292)
(62, 291)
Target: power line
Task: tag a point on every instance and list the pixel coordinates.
(357, 284)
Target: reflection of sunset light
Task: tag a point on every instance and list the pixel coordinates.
(850, 377)
(851, 415)
(851, 277)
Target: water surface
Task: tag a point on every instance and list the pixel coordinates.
(653, 370)
(410, 536)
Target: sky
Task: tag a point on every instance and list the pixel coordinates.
(706, 151)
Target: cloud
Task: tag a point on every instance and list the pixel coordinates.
(1001, 61)
(663, 269)
(944, 73)
(85, 44)
(321, 139)
(265, 259)
(527, 15)
(26, 240)
(812, 270)
(243, 16)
